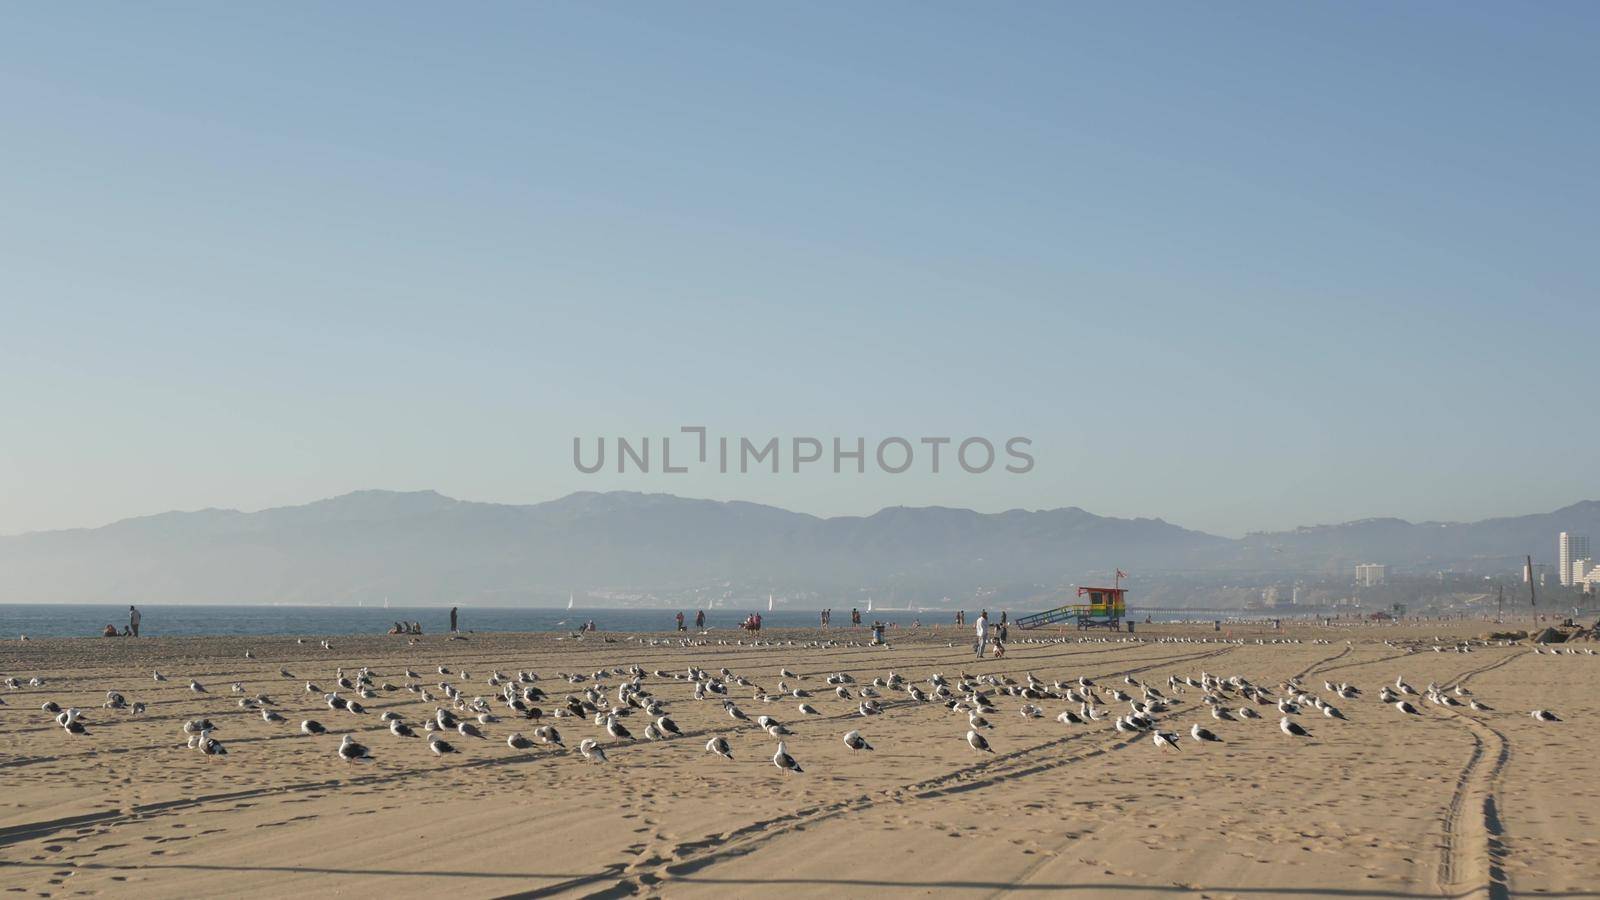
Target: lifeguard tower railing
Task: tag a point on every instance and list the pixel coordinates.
(1107, 607)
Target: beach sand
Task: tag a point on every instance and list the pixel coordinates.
(1382, 805)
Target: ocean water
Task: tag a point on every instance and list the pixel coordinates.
(88, 620)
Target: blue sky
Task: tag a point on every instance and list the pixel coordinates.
(1239, 266)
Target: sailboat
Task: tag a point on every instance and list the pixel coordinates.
(769, 603)
(569, 600)
(869, 604)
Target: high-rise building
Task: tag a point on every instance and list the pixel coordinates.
(1570, 547)
(1369, 574)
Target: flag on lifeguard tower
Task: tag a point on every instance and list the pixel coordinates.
(1118, 580)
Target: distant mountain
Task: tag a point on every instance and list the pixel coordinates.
(1488, 546)
(423, 547)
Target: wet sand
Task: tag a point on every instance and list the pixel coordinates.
(1451, 802)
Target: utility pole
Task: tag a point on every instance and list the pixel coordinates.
(1533, 600)
(1500, 606)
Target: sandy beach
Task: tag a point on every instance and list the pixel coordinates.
(1452, 801)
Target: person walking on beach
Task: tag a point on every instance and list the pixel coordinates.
(452, 620)
(133, 620)
(680, 620)
(699, 619)
(983, 631)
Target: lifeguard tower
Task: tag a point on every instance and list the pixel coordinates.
(1106, 608)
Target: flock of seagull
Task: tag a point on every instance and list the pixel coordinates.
(1131, 708)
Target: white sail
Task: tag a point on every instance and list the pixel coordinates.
(769, 603)
(869, 604)
(569, 601)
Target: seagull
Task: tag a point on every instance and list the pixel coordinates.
(158, 676)
(1202, 734)
(350, 751)
(466, 729)
(549, 735)
(439, 746)
(977, 742)
(1168, 740)
(1545, 715)
(667, 726)
(1407, 708)
(516, 741)
(1292, 728)
(1246, 712)
(209, 745)
(719, 746)
(855, 741)
(784, 761)
(268, 715)
(197, 687)
(311, 726)
(401, 729)
(617, 730)
(591, 750)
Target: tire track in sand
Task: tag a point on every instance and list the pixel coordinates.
(1472, 850)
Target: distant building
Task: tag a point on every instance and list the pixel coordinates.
(1571, 547)
(1369, 574)
(1581, 569)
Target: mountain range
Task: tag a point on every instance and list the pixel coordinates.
(423, 547)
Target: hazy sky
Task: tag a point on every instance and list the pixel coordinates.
(1236, 265)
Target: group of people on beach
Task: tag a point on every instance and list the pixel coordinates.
(406, 628)
(989, 636)
(699, 620)
(826, 617)
(129, 630)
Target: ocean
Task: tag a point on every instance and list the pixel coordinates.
(88, 620)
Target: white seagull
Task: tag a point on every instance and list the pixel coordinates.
(784, 761)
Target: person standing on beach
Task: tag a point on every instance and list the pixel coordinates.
(983, 631)
(680, 620)
(133, 620)
(699, 619)
(452, 620)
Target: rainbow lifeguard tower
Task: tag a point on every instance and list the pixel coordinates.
(1106, 608)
